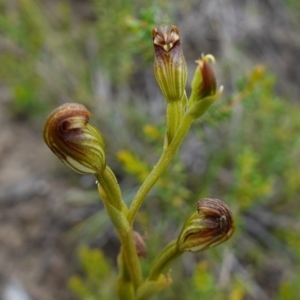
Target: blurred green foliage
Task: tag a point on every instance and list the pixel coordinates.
(98, 278)
(51, 53)
(293, 5)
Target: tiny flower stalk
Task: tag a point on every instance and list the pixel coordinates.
(109, 189)
(163, 260)
(125, 289)
(150, 288)
(204, 87)
(170, 71)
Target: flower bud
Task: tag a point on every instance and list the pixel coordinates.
(211, 225)
(140, 245)
(204, 82)
(169, 64)
(204, 87)
(75, 142)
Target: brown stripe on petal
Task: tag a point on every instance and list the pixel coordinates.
(75, 142)
(169, 64)
(211, 225)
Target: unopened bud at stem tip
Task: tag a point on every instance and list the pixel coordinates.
(169, 64)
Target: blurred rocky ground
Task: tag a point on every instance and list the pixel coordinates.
(35, 214)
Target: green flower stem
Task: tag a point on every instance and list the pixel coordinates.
(149, 288)
(160, 167)
(125, 234)
(125, 288)
(175, 113)
(158, 281)
(131, 257)
(110, 193)
(111, 189)
(166, 256)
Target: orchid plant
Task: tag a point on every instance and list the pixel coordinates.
(81, 146)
